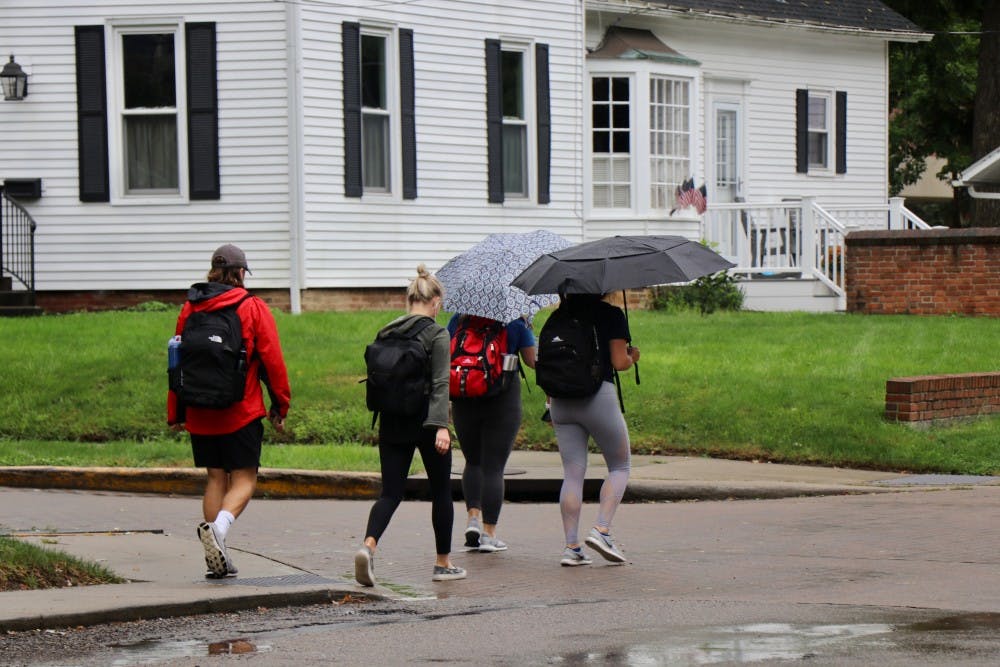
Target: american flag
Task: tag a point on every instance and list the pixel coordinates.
(688, 195)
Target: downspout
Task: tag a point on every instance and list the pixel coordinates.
(296, 188)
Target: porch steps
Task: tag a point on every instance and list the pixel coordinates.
(788, 292)
(16, 303)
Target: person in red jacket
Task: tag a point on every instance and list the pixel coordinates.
(227, 441)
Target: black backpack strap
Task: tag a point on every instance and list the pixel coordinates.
(618, 385)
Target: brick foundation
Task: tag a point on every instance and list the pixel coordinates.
(924, 272)
(929, 398)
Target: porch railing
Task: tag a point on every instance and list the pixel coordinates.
(17, 243)
(797, 235)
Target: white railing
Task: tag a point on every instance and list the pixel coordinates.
(797, 235)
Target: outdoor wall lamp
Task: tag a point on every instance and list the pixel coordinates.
(14, 81)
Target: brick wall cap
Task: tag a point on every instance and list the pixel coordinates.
(979, 235)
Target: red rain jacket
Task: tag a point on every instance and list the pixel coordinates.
(263, 347)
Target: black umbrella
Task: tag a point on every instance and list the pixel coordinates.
(620, 263)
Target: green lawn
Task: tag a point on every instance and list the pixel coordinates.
(790, 387)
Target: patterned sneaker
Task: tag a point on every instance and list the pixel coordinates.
(364, 566)
(489, 544)
(231, 570)
(572, 557)
(448, 573)
(472, 532)
(604, 545)
(215, 550)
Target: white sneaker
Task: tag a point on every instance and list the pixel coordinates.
(573, 557)
(472, 532)
(604, 545)
(216, 557)
(364, 566)
(448, 573)
(489, 544)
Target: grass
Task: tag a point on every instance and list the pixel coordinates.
(24, 566)
(791, 387)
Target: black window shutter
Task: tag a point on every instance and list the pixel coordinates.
(802, 131)
(203, 111)
(92, 113)
(544, 115)
(408, 119)
(351, 36)
(494, 122)
(841, 132)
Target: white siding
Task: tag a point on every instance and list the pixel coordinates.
(378, 241)
(96, 246)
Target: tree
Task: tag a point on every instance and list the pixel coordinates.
(932, 93)
(986, 127)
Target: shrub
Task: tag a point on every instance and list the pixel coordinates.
(707, 294)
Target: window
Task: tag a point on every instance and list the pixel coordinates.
(820, 131)
(162, 139)
(379, 121)
(669, 138)
(518, 124)
(149, 114)
(375, 116)
(611, 142)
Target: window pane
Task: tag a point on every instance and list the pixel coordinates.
(601, 116)
(375, 152)
(373, 72)
(151, 152)
(619, 89)
(817, 149)
(148, 71)
(600, 88)
(512, 78)
(515, 167)
(602, 142)
(620, 142)
(620, 114)
(817, 113)
(670, 138)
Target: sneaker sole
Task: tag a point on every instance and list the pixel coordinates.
(566, 562)
(472, 538)
(601, 548)
(448, 577)
(490, 549)
(362, 569)
(215, 557)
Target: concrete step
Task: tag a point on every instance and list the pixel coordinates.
(789, 292)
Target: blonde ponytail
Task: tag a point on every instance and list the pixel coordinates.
(424, 287)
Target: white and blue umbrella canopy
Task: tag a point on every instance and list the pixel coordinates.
(477, 282)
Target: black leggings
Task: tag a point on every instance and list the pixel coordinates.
(486, 429)
(395, 460)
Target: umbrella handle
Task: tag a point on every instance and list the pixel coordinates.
(636, 367)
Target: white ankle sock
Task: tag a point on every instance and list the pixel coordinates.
(222, 523)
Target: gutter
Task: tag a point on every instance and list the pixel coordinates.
(296, 186)
(649, 9)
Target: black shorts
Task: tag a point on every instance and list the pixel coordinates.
(232, 451)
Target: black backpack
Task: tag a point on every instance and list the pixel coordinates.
(569, 355)
(212, 371)
(398, 379)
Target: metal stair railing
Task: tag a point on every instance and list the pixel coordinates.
(17, 243)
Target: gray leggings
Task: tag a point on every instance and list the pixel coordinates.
(576, 420)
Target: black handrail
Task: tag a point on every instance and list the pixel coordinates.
(17, 242)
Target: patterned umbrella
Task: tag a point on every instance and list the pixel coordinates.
(477, 282)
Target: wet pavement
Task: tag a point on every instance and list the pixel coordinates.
(869, 571)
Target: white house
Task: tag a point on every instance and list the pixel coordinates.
(341, 144)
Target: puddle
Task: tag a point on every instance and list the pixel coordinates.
(740, 644)
(963, 622)
(151, 652)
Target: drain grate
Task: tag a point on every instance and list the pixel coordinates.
(304, 579)
(938, 480)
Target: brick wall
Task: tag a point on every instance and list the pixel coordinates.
(939, 397)
(924, 272)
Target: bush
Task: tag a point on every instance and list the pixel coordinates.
(706, 294)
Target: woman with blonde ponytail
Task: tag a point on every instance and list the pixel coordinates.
(399, 436)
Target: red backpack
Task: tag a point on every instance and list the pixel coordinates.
(477, 351)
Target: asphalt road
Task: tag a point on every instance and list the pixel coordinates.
(895, 578)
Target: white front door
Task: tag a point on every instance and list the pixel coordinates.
(725, 159)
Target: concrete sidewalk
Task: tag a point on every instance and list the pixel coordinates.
(149, 539)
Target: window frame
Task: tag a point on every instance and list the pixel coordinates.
(117, 158)
(528, 122)
(393, 112)
(828, 132)
(640, 74)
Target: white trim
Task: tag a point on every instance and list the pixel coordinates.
(829, 98)
(529, 122)
(114, 30)
(296, 177)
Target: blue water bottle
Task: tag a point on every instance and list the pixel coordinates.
(174, 352)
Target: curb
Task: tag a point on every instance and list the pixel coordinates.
(142, 612)
(308, 484)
